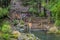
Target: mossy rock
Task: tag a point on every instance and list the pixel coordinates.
(53, 30)
(16, 34)
(28, 36)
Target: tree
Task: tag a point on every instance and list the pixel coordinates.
(4, 3)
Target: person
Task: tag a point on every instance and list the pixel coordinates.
(30, 25)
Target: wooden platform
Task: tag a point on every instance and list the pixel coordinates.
(40, 23)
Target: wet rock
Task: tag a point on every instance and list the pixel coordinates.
(28, 37)
(53, 30)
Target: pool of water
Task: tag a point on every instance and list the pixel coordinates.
(44, 36)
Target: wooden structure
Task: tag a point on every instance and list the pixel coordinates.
(40, 23)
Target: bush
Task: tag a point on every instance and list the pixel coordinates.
(58, 16)
(57, 23)
(41, 14)
(3, 12)
(15, 22)
(6, 27)
(6, 36)
(6, 30)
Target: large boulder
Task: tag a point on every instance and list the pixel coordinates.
(53, 30)
(28, 36)
(16, 34)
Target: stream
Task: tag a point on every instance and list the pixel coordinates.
(44, 36)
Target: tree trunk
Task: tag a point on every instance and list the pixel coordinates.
(47, 11)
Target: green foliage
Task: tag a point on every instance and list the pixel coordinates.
(33, 6)
(41, 14)
(6, 30)
(57, 23)
(33, 10)
(4, 6)
(6, 27)
(58, 16)
(43, 2)
(54, 7)
(15, 22)
(21, 22)
(6, 36)
(3, 12)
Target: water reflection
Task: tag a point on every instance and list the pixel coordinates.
(44, 36)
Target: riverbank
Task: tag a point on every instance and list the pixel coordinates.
(46, 36)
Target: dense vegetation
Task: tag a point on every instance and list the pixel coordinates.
(4, 6)
(4, 25)
(38, 8)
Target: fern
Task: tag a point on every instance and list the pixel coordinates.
(3, 12)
